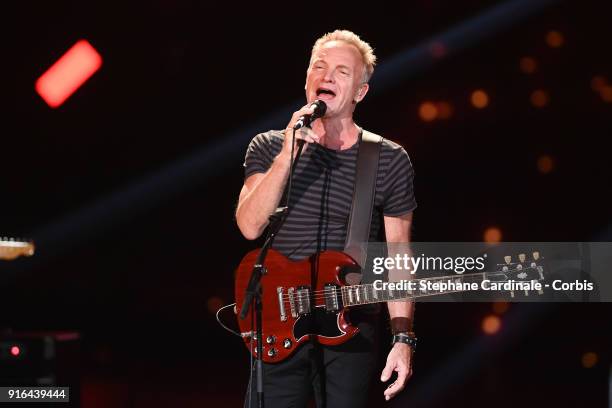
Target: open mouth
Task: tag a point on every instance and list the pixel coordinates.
(325, 93)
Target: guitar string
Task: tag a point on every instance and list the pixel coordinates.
(321, 294)
(348, 287)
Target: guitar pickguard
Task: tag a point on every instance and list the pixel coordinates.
(319, 322)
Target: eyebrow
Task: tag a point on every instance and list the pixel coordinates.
(341, 66)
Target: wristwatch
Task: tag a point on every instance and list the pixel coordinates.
(406, 338)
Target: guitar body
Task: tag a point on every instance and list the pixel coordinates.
(300, 300)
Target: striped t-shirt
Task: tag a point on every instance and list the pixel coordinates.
(323, 186)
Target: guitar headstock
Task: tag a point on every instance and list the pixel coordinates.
(523, 268)
(11, 248)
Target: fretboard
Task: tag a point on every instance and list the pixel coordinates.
(367, 293)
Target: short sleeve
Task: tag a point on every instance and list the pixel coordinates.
(399, 187)
(261, 153)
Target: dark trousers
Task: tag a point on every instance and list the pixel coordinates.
(336, 376)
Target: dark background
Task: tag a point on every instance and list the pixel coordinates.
(131, 206)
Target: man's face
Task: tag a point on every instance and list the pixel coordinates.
(335, 76)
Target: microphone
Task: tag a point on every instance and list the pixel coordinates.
(305, 120)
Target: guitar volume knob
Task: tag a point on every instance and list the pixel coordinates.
(287, 343)
(272, 352)
(271, 339)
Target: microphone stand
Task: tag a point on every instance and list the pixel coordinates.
(252, 297)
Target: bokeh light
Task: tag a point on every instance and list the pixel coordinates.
(554, 39)
(545, 164)
(606, 93)
(428, 111)
(589, 359)
(539, 98)
(492, 235)
(528, 65)
(479, 99)
(598, 83)
(491, 324)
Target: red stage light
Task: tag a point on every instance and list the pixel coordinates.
(15, 351)
(68, 73)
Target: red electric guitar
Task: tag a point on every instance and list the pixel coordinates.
(311, 298)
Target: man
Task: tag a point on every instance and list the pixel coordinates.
(340, 67)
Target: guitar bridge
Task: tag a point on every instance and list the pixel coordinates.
(281, 303)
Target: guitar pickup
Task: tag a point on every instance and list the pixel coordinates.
(303, 300)
(290, 294)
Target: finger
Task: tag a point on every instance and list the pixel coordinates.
(309, 135)
(392, 390)
(399, 384)
(387, 371)
(305, 110)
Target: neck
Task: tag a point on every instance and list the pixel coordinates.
(336, 133)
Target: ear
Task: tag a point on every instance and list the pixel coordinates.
(361, 92)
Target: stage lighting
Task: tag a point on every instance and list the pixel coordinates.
(15, 351)
(68, 73)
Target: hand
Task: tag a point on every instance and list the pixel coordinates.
(399, 360)
(306, 134)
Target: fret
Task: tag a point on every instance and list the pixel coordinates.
(343, 292)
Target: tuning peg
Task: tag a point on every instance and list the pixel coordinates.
(536, 255)
(522, 258)
(508, 259)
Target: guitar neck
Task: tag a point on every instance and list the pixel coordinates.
(376, 293)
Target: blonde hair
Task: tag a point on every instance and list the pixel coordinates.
(367, 53)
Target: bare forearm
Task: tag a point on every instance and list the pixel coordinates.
(398, 243)
(259, 202)
(401, 309)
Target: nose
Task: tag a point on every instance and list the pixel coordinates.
(328, 77)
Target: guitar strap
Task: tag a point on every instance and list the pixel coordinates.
(360, 218)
